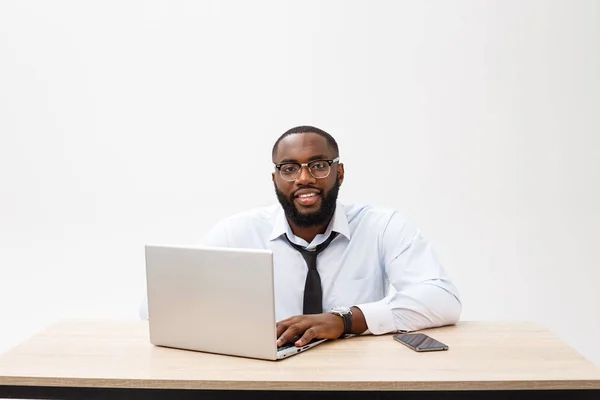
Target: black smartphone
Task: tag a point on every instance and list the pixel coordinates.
(420, 342)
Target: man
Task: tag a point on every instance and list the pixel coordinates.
(361, 251)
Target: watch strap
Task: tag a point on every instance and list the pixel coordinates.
(346, 314)
(347, 317)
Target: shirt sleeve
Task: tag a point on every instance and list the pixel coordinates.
(423, 296)
(217, 236)
(143, 309)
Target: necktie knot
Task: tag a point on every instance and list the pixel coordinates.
(317, 250)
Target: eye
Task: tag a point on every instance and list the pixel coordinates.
(289, 168)
(320, 165)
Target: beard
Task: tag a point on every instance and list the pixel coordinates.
(317, 218)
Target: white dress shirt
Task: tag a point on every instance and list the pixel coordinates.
(376, 249)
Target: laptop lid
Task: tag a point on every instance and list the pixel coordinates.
(217, 300)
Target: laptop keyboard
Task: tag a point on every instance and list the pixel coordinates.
(286, 346)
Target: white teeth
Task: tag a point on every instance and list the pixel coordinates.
(307, 195)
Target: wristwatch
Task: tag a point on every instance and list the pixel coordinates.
(346, 315)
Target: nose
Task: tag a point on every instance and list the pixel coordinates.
(305, 177)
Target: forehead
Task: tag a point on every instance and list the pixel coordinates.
(302, 147)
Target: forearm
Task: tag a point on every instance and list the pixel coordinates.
(418, 307)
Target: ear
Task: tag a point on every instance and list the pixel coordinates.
(340, 172)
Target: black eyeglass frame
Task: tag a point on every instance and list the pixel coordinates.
(307, 165)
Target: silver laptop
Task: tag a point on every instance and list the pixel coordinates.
(216, 300)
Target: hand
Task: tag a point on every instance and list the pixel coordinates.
(309, 327)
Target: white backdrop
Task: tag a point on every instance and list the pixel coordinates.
(129, 122)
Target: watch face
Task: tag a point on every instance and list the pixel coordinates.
(341, 309)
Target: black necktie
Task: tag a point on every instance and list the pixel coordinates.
(313, 294)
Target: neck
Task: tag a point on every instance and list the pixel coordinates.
(308, 234)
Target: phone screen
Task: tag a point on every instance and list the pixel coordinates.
(420, 342)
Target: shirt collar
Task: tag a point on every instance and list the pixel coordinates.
(338, 223)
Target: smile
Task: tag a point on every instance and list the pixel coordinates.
(305, 195)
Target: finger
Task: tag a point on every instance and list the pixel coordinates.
(289, 334)
(283, 325)
(310, 334)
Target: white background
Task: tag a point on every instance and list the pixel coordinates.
(131, 122)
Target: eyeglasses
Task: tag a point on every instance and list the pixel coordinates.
(319, 169)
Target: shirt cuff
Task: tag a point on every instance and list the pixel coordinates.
(378, 316)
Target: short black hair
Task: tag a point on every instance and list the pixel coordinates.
(307, 129)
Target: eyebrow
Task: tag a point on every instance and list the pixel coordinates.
(313, 158)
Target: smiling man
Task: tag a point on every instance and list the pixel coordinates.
(334, 263)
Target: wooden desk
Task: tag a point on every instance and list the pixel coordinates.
(114, 359)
